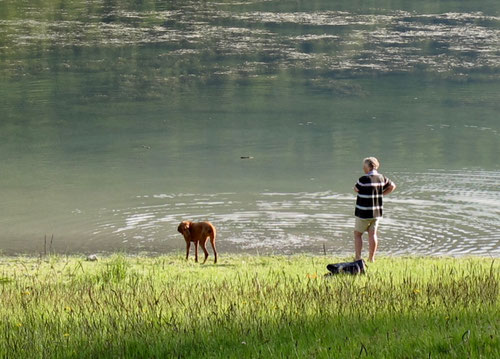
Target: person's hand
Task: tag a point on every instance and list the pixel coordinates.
(356, 189)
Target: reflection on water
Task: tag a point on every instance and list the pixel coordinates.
(120, 119)
(319, 41)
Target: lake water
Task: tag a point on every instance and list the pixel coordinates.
(120, 119)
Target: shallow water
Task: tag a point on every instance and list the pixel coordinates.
(119, 120)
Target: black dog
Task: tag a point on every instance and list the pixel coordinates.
(357, 267)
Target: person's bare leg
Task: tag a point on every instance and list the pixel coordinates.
(358, 245)
(373, 243)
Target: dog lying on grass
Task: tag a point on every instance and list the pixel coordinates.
(356, 267)
(199, 234)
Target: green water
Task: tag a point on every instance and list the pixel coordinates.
(119, 119)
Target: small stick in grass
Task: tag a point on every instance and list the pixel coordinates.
(466, 335)
(361, 350)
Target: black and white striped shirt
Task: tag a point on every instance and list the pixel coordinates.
(369, 201)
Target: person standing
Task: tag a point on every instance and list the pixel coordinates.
(369, 206)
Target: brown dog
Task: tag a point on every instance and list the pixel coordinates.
(198, 233)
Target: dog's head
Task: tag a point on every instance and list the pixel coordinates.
(183, 228)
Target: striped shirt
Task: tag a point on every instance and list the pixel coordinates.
(369, 201)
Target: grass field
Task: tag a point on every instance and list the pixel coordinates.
(248, 307)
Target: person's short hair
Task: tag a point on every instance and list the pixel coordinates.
(371, 162)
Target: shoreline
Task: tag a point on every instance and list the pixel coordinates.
(181, 253)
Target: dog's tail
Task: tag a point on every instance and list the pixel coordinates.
(212, 234)
(212, 231)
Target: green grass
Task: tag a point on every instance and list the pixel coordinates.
(248, 307)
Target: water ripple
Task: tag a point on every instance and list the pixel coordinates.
(431, 213)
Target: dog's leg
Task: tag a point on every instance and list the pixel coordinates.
(212, 241)
(196, 251)
(188, 246)
(204, 247)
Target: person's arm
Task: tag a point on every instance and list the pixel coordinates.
(356, 187)
(389, 189)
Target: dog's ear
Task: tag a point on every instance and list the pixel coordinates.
(179, 228)
(187, 230)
